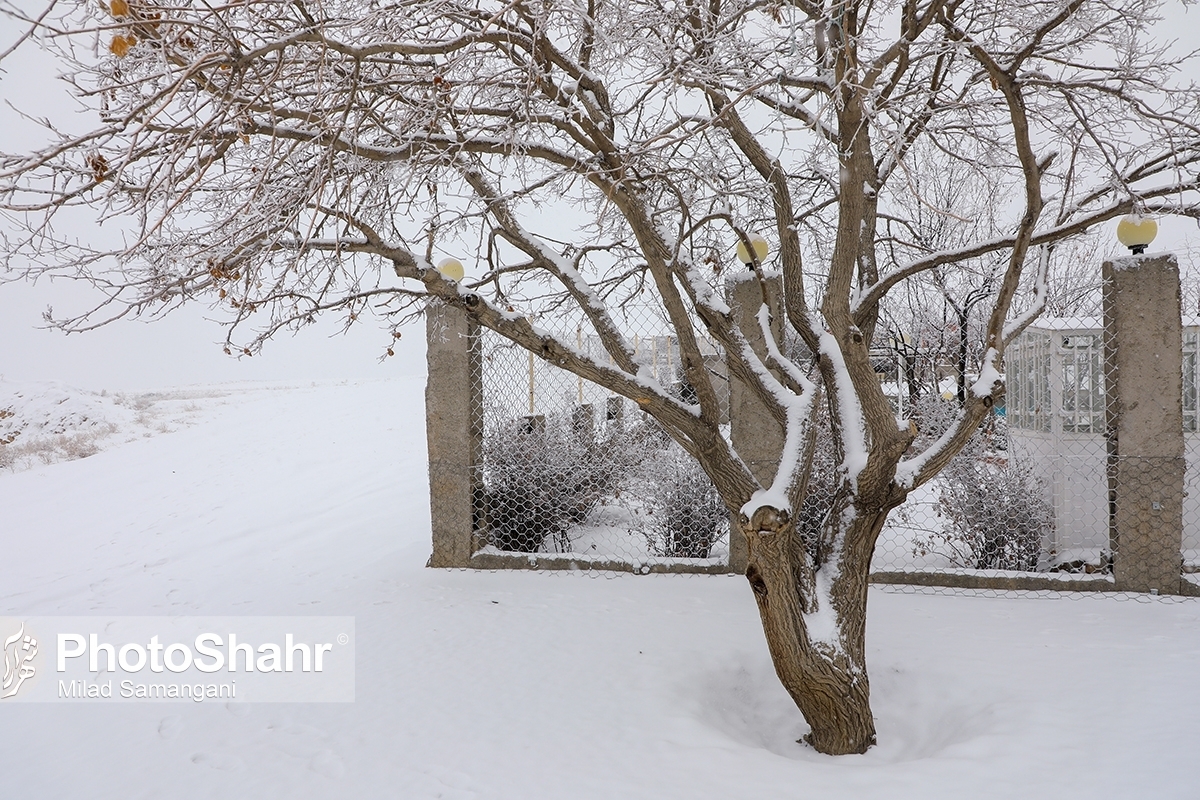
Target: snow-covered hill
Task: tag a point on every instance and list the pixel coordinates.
(313, 500)
(48, 422)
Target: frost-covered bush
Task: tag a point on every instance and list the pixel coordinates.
(685, 516)
(543, 477)
(996, 515)
(994, 507)
(540, 477)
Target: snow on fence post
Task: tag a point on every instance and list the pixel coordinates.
(455, 440)
(756, 435)
(1142, 347)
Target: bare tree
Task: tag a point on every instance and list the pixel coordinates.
(282, 160)
(949, 206)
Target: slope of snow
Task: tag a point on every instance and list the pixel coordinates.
(313, 500)
(47, 422)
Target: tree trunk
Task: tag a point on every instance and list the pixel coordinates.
(962, 357)
(816, 627)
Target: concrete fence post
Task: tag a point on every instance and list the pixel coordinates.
(757, 437)
(453, 405)
(1143, 338)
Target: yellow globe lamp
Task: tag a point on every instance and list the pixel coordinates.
(761, 249)
(1136, 232)
(451, 268)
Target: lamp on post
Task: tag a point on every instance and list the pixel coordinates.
(761, 249)
(451, 268)
(1136, 232)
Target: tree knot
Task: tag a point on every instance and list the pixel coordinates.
(767, 520)
(757, 584)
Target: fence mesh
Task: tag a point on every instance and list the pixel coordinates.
(1044, 491)
(569, 471)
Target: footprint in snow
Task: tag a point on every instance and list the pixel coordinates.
(225, 762)
(239, 710)
(298, 741)
(170, 727)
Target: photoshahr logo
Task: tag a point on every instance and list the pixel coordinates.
(19, 650)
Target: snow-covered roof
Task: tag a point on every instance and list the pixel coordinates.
(1089, 323)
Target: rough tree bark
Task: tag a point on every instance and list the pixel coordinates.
(826, 677)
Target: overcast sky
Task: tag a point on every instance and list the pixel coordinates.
(184, 348)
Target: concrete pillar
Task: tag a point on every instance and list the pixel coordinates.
(453, 428)
(614, 410)
(757, 437)
(1143, 338)
(583, 423)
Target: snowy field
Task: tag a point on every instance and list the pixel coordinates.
(312, 499)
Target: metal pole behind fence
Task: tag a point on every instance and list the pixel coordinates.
(531, 382)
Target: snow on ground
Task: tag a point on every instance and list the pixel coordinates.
(47, 422)
(313, 500)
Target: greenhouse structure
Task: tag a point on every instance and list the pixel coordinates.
(1055, 409)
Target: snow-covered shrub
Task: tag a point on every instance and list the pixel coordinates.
(996, 515)
(543, 476)
(28, 451)
(540, 477)
(685, 516)
(995, 510)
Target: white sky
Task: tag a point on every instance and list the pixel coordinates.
(184, 348)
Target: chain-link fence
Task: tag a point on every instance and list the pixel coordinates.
(564, 474)
(571, 474)
(1051, 491)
